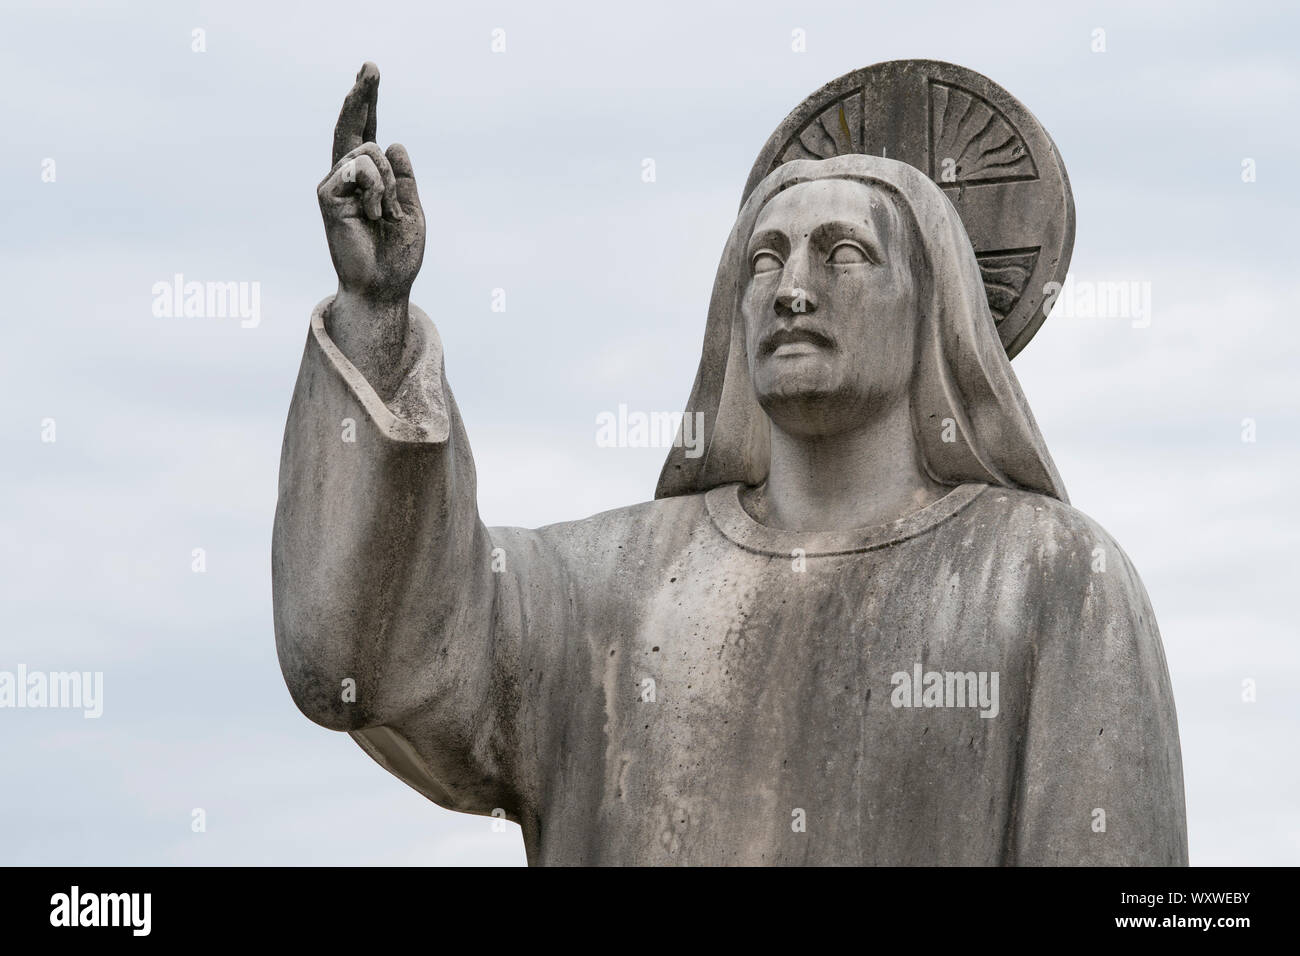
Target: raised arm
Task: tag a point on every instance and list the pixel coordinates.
(382, 572)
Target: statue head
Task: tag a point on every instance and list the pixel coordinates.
(848, 285)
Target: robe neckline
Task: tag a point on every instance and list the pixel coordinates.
(737, 526)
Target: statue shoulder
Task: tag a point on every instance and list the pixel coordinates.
(1078, 587)
(660, 521)
(1067, 547)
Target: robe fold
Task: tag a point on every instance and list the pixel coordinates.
(673, 682)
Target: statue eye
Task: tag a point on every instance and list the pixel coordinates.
(765, 260)
(847, 253)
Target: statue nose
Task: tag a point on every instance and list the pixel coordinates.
(794, 300)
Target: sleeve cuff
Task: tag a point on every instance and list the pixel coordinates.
(418, 410)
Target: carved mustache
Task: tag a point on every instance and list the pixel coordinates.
(787, 335)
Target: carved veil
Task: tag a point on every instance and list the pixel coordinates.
(963, 388)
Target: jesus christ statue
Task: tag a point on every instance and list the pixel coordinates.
(864, 626)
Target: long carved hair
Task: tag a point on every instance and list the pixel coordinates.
(963, 388)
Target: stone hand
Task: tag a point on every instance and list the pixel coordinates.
(373, 220)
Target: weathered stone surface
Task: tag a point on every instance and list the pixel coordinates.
(864, 627)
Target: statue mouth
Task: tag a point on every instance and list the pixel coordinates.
(795, 341)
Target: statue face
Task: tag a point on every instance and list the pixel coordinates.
(830, 308)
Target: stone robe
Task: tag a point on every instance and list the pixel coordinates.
(674, 683)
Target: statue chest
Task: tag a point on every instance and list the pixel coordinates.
(854, 709)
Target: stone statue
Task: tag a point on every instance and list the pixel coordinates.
(864, 627)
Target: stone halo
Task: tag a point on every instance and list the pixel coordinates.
(988, 153)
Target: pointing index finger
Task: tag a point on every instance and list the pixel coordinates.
(357, 118)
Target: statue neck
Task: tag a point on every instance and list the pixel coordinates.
(855, 479)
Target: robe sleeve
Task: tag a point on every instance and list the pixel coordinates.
(384, 588)
(1101, 779)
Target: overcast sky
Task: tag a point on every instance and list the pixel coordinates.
(168, 430)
